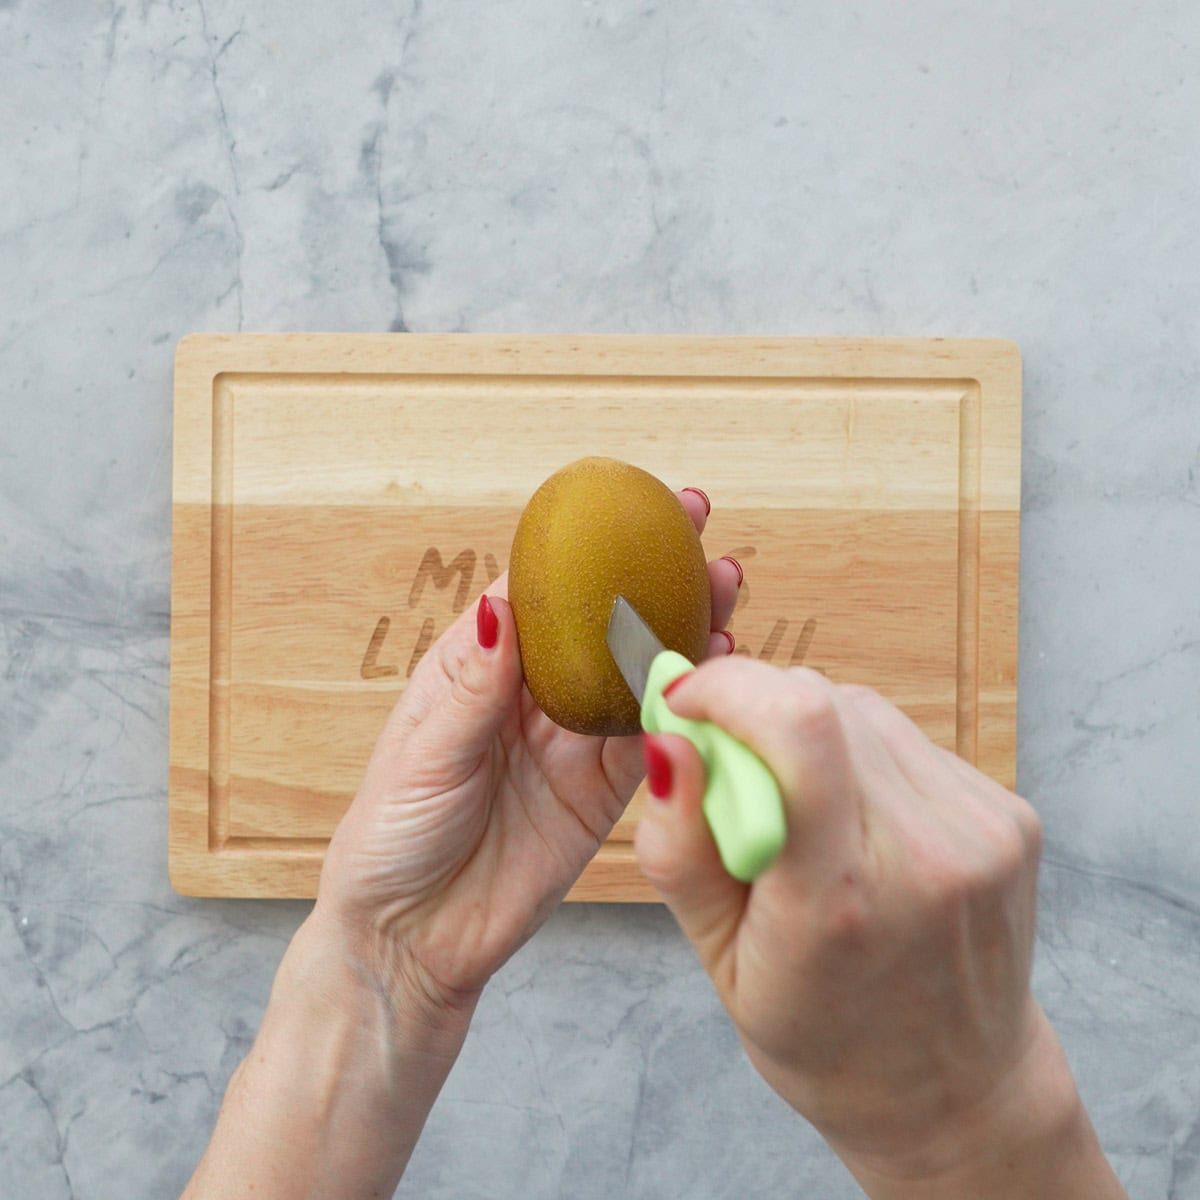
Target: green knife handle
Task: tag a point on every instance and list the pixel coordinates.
(741, 799)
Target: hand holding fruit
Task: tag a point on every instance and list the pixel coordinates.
(477, 812)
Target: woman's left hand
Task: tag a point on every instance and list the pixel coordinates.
(476, 814)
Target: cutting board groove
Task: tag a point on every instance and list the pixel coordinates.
(336, 504)
(967, 700)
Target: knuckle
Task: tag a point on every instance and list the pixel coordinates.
(860, 695)
(811, 712)
(1009, 853)
(892, 725)
(661, 869)
(996, 858)
(1004, 854)
(463, 674)
(1030, 826)
(848, 917)
(469, 686)
(808, 678)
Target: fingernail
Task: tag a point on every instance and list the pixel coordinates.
(487, 624)
(674, 684)
(658, 768)
(737, 566)
(730, 638)
(707, 505)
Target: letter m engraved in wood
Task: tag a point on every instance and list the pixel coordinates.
(433, 568)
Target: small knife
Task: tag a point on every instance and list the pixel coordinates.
(742, 802)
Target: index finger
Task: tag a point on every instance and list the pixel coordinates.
(793, 721)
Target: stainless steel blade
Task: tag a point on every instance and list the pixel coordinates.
(632, 644)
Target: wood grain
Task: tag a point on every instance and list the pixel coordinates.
(340, 499)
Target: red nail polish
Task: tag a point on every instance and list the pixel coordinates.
(707, 505)
(674, 684)
(658, 768)
(487, 624)
(737, 565)
(732, 640)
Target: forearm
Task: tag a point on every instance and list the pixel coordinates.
(334, 1093)
(1035, 1140)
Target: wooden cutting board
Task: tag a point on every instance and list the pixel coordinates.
(338, 499)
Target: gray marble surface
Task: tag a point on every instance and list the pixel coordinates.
(1018, 169)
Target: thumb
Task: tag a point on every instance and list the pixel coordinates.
(472, 677)
(677, 854)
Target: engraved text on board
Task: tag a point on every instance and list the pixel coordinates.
(784, 644)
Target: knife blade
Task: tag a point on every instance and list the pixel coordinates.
(633, 645)
(742, 801)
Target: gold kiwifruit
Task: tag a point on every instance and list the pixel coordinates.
(594, 530)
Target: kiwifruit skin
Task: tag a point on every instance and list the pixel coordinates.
(594, 530)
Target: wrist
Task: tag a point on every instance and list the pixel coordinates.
(335, 1091)
(1031, 1136)
(340, 977)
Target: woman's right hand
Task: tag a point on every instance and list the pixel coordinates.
(878, 972)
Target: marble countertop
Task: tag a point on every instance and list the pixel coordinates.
(601, 166)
